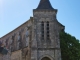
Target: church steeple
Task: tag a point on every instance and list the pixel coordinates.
(45, 4)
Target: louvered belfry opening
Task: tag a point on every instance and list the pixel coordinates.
(47, 30)
(42, 30)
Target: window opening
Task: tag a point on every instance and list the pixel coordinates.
(42, 30)
(47, 30)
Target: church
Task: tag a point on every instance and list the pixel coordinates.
(36, 39)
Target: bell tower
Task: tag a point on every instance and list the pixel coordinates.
(45, 33)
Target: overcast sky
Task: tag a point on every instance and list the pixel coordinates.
(13, 13)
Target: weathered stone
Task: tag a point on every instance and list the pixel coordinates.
(33, 41)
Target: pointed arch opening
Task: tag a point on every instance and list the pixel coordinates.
(45, 58)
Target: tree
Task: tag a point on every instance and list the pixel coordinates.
(70, 47)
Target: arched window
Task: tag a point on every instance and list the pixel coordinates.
(42, 30)
(27, 38)
(27, 41)
(45, 58)
(27, 33)
(47, 28)
(18, 42)
(18, 37)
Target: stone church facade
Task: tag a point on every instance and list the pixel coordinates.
(37, 38)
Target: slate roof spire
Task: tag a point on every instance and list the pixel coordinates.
(45, 4)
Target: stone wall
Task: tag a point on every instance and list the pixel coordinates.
(17, 55)
(16, 40)
(26, 43)
(49, 46)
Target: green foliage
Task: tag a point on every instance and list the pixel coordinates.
(70, 47)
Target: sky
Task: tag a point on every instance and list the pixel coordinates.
(13, 13)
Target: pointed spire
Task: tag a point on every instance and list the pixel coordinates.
(44, 4)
